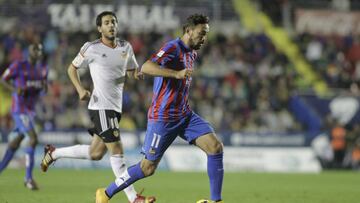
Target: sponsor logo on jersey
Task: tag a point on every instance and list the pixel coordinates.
(152, 151)
(160, 53)
(34, 83)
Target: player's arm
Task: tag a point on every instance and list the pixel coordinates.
(79, 61)
(7, 85)
(10, 74)
(135, 74)
(11, 88)
(154, 69)
(133, 67)
(73, 74)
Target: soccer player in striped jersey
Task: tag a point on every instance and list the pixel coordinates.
(26, 79)
(109, 60)
(170, 115)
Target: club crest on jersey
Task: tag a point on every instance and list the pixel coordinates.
(160, 53)
(123, 54)
(116, 133)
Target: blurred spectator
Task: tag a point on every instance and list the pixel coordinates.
(352, 159)
(338, 143)
(355, 156)
(336, 58)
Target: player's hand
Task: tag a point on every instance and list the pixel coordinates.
(20, 91)
(84, 94)
(185, 73)
(138, 75)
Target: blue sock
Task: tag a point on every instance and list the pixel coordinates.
(7, 158)
(133, 174)
(29, 162)
(215, 169)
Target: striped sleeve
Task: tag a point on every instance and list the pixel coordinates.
(81, 61)
(165, 55)
(11, 72)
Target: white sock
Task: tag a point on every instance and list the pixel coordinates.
(75, 152)
(118, 165)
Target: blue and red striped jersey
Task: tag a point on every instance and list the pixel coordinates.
(31, 79)
(170, 95)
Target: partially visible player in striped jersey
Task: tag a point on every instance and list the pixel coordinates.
(109, 60)
(170, 115)
(27, 80)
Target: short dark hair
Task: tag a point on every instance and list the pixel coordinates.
(102, 14)
(194, 20)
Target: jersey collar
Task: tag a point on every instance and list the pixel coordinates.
(116, 44)
(183, 45)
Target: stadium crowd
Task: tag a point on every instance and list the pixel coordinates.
(336, 58)
(242, 83)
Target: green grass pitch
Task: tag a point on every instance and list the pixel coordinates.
(78, 186)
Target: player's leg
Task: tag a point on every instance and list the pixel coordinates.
(15, 139)
(118, 166)
(210, 144)
(51, 154)
(29, 160)
(132, 174)
(25, 125)
(200, 133)
(159, 136)
(108, 126)
(95, 151)
(97, 148)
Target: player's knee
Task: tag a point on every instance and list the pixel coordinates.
(14, 145)
(96, 156)
(149, 171)
(33, 142)
(148, 168)
(215, 147)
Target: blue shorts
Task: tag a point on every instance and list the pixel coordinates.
(160, 134)
(24, 122)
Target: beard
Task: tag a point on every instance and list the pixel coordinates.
(195, 46)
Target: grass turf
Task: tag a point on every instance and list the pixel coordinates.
(78, 186)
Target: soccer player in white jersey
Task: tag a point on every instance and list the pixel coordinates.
(109, 60)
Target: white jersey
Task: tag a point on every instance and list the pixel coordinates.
(108, 68)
